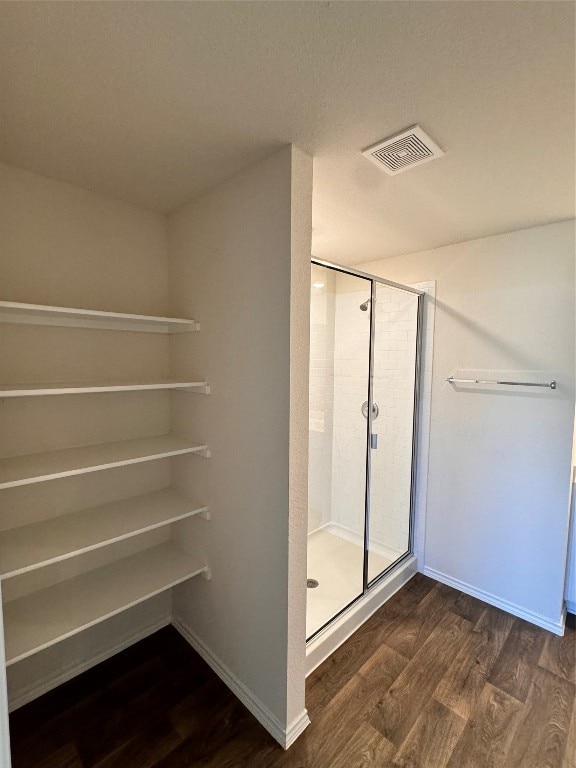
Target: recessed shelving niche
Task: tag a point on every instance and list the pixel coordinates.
(43, 618)
(46, 616)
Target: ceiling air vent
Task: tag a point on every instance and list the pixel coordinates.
(403, 151)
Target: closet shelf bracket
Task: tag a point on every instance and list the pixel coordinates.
(202, 389)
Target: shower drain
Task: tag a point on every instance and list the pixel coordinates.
(311, 583)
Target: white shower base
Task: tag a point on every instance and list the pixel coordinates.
(325, 643)
(336, 563)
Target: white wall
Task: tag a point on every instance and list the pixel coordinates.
(300, 248)
(240, 264)
(63, 245)
(499, 473)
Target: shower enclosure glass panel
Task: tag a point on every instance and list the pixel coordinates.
(339, 376)
(395, 330)
(363, 375)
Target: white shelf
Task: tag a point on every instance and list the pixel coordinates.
(38, 467)
(50, 541)
(50, 615)
(91, 387)
(38, 314)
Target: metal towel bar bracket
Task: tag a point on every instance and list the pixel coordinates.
(548, 384)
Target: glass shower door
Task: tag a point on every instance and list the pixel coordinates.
(339, 374)
(363, 373)
(394, 376)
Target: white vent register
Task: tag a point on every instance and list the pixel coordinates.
(403, 151)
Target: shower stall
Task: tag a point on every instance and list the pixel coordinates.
(364, 371)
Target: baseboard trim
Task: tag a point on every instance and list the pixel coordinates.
(557, 627)
(285, 736)
(320, 528)
(28, 694)
(296, 727)
(571, 606)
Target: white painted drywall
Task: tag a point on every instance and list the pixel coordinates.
(300, 250)
(239, 263)
(63, 245)
(500, 460)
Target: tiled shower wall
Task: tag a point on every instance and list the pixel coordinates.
(395, 339)
(351, 368)
(338, 387)
(322, 302)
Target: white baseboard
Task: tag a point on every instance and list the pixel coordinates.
(571, 606)
(295, 728)
(43, 685)
(285, 736)
(324, 644)
(557, 627)
(320, 528)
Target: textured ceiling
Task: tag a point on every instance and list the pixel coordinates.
(154, 102)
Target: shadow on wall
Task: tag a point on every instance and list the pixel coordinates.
(512, 355)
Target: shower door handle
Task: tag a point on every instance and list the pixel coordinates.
(374, 442)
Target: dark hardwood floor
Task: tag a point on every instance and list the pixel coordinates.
(434, 679)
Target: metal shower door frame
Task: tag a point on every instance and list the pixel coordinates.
(367, 583)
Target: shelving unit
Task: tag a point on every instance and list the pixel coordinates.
(36, 545)
(95, 387)
(39, 467)
(41, 619)
(39, 314)
(48, 615)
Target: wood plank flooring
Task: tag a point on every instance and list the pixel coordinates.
(435, 679)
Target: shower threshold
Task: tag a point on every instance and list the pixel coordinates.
(339, 630)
